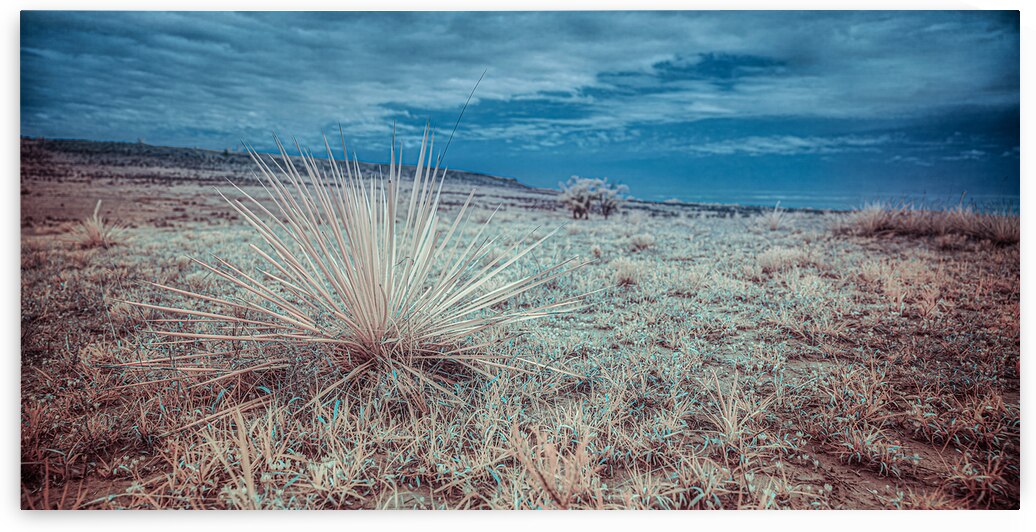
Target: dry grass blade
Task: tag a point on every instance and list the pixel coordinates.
(364, 269)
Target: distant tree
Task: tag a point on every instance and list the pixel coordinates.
(610, 196)
(578, 195)
(582, 195)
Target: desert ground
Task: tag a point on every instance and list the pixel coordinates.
(723, 358)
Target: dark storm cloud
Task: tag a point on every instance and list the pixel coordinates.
(556, 81)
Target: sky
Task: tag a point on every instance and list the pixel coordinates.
(812, 108)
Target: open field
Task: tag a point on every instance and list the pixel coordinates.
(725, 358)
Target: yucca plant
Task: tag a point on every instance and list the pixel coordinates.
(362, 272)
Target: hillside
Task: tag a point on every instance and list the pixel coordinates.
(62, 158)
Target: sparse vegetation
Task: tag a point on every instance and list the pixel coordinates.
(719, 368)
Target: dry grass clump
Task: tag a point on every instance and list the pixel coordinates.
(772, 219)
(935, 499)
(689, 282)
(641, 242)
(951, 242)
(813, 323)
(781, 258)
(95, 231)
(881, 219)
(997, 228)
(737, 416)
(984, 421)
(561, 480)
(360, 274)
(984, 482)
(627, 272)
(123, 314)
(872, 447)
(910, 285)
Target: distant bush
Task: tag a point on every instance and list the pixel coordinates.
(583, 195)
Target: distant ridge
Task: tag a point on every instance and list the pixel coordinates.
(72, 159)
(195, 163)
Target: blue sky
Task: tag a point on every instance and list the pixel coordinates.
(675, 104)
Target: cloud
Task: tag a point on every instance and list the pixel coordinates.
(966, 155)
(242, 74)
(911, 160)
(789, 145)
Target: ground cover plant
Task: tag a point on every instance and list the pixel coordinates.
(723, 357)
